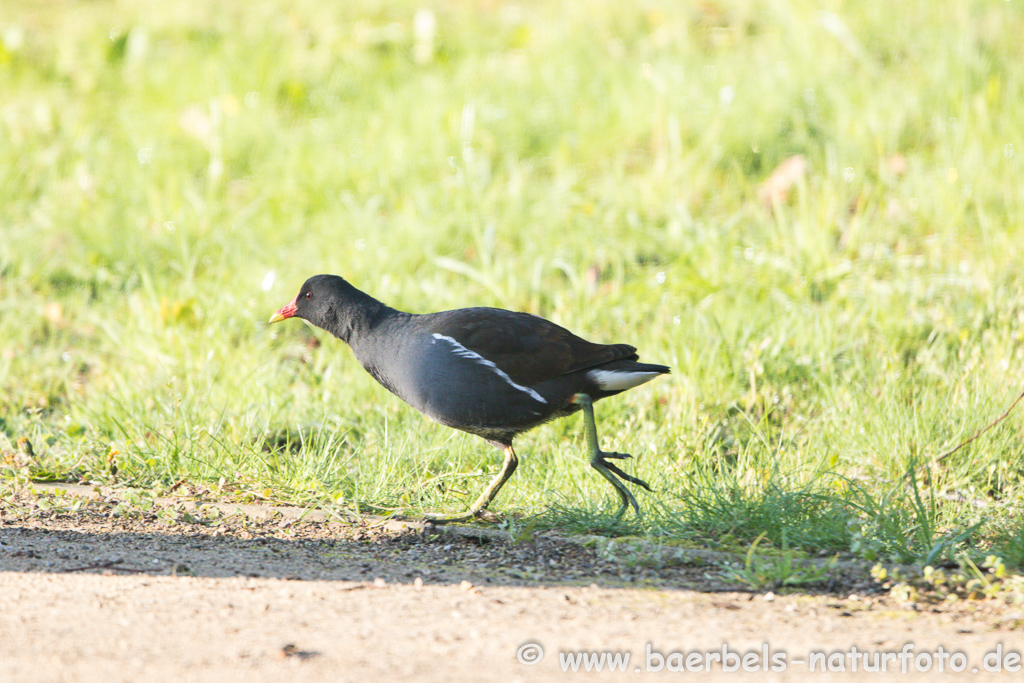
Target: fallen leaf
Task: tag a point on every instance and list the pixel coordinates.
(896, 164)
(787, 174)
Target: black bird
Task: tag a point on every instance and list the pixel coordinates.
(486, 371)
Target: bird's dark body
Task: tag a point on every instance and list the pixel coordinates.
(426, 369)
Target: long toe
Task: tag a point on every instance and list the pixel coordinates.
(614, 456)
(628, 501)
(451, 519)
(622, 475)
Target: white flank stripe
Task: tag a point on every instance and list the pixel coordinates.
(610, 380)
(461, 350)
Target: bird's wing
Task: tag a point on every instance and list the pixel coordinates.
(527, 348)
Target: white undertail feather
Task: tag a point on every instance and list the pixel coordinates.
(462, 351)
(618, 380)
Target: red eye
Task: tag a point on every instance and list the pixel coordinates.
(309, 295)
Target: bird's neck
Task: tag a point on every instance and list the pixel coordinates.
(358, 317)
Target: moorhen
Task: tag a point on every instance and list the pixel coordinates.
(485, 371)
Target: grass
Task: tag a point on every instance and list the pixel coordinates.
(170, 175)
(777, 572)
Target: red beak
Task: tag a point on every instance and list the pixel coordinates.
(287, 311)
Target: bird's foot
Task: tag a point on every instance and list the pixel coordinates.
(483, 515)
(602, 456)
(479, 508)
(614, 475)
(451, 519)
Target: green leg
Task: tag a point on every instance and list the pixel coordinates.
(507, 468)
(599, 458)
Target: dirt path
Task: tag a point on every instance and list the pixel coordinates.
(87, 595)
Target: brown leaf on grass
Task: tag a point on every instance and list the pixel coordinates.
(787, 174)
(896, 165)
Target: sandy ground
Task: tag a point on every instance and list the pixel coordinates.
(97, 595)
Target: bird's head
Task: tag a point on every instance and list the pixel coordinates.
(330, 303)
